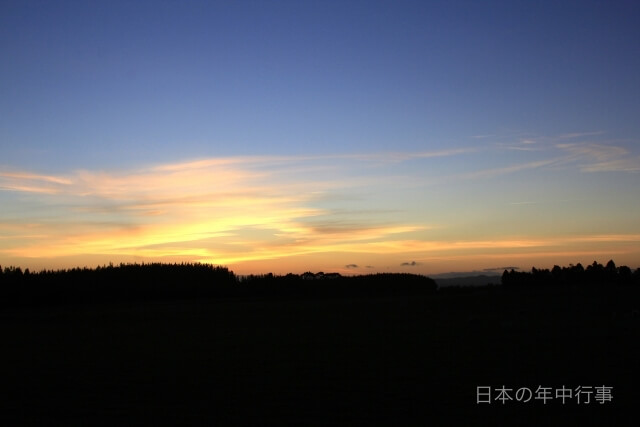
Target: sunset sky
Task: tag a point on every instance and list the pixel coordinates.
(347, 136)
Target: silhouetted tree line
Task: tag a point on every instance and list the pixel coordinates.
(115, 283)
(595, 275)
(135, 282)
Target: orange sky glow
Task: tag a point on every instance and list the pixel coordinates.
(291, 214)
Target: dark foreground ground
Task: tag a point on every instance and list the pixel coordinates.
(334, 361)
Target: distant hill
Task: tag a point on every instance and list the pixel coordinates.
(157, 281)
(477, 280)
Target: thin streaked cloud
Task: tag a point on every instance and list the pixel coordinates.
(243, 210)
(504, 170)
(33, 183)
(617, 165)
(35, 177)
(602, 158)
(523, 144)
(177, 209)
(574, 135)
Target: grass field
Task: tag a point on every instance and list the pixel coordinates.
(333, 361)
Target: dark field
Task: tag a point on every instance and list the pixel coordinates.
(327, 361)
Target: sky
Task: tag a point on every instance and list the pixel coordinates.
(346, 136)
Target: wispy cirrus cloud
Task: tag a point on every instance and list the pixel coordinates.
(574, 135)
(523, 144)
(504, 170)
(32, 183)
(599, 152)
(602, 157)
(216, 172)
(247, 209)
(215, 210)
(587, 150)
(617, 165)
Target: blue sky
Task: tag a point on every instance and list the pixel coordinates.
(459, 121)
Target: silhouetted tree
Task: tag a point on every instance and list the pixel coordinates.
(126, 282)
(575, 276)
(557, 275)
(625, 274)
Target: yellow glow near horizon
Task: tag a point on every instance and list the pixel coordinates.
(247, 213)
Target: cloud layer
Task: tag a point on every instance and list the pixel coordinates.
(244, 210)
